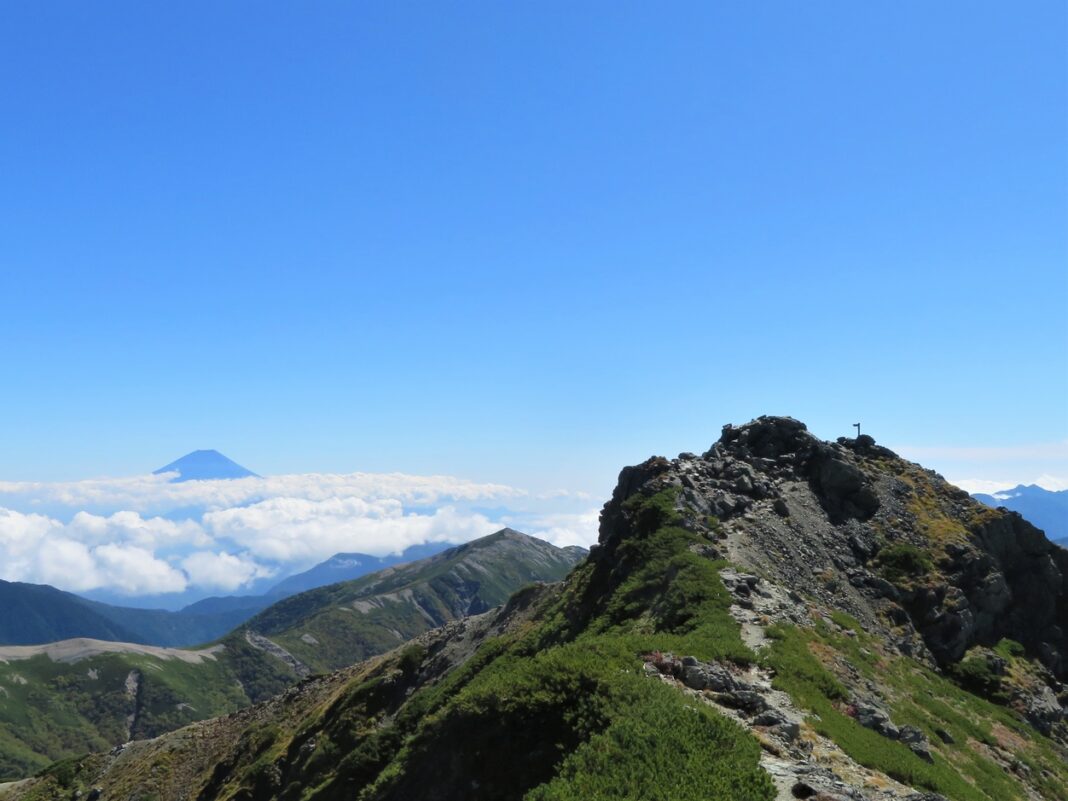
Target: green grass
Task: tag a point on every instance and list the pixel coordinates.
(546, 715)
(548, 711)
(555, 724)
(816, 689)
(54, 710)
(919, 697)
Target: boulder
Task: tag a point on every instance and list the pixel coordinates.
(876, 719)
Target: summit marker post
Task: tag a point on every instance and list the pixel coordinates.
(857, 427)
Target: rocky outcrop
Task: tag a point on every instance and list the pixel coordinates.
(261, 643)
(820, 516)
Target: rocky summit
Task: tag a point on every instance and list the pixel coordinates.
(851, 525)
(777, 618)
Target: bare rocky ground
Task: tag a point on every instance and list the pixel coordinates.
(801, 762)
(84, 648)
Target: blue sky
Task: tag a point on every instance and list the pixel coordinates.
(529, 243)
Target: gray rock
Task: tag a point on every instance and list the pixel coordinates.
(840, 478)
(876, 719)
(770, 717)
(945, 736)
(1044, 711)
(789, 730)
(917, 741)
(746, 700)
(701, 676)
(910, 734)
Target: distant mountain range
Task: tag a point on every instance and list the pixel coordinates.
(1043, 508)
(68, 697)
(38, 613)
(205, 466)
(348, 566)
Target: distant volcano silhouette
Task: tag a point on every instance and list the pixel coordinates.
(205, 465)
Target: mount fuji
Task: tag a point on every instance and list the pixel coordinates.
(205, 466)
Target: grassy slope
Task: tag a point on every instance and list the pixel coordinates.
(962, 769)
(54, 710)
(562, 711)
(558, 708)
(50, 710)
(338, 625)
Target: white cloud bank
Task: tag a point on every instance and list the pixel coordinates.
(989, 487)
(146, 536)
(156, 494)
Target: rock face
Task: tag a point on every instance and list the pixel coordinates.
(833, 520)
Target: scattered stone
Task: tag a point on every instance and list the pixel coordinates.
(945, 736)
(789, 731)
(876, 719)
(769, 717)
(701, 676)
(917, 741)
(1043, 710)
(746, 700)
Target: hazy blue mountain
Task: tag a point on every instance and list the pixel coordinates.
(181, 601)
(1043, 508)
(349, 566)
(229, 604)
(205, 465)
(37, 613)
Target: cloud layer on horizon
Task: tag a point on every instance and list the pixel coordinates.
(144, 535)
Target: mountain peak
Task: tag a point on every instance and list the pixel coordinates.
(205, 465)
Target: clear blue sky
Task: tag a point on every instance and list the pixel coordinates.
(525, 242)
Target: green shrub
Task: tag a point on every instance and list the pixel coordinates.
(977, 674)
(1010, 649)
(903, 561)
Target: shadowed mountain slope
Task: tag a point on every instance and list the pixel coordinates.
(37, 614)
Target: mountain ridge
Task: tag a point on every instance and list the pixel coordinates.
(779, 617)
(1046, 509)
(75, 694)
(56, 614)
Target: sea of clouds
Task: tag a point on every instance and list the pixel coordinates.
(148, 535)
